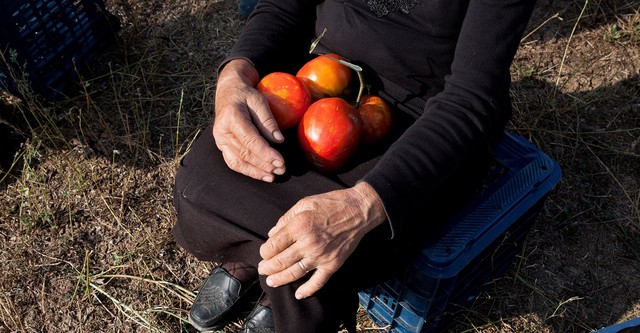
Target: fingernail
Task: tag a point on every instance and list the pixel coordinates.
(278, 171)
(269, 282)
(300, 296)
(278, 136)
(267, 179)
(270, 232)
(277, 163)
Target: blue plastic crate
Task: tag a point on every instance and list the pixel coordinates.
(478, 244)
(49, 39)
(629, 326)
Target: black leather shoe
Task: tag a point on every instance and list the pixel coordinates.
(260, 320)
(217, 298)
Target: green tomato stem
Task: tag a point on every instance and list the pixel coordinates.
(316, 41)
(360, 89)
(356, 68)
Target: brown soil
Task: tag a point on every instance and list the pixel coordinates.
(86, 212)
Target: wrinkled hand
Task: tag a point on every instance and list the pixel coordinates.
(321, 231)
(243, 124)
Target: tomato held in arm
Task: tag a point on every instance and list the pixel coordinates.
(376, 118)
(329, 133)
(287, 96)
(325, 77)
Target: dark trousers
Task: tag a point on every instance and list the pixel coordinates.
(224, 216)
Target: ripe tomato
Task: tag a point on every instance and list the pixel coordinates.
(376, 118)
(288, 98)
(329, 133)
(325, 77)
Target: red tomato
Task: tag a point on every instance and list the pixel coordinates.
(329, 133)
(325, 77)
(288, 98)
(376, 119)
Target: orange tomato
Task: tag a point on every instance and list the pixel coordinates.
(377, 119)
(288, 98)
(325, 77)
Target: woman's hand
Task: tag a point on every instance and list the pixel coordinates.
(320, 231)
(243, 124)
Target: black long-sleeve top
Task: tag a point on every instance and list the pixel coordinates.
(446, 61)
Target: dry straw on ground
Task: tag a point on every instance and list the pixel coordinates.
(86, 209)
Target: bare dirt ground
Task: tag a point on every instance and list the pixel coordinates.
(86, 209)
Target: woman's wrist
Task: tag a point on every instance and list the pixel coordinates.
(235, 76)
(239, 69)
(371, 204)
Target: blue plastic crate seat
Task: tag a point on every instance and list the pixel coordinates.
(478, 244)
(51, 38)
(629, 326)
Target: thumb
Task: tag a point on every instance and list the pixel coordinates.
(284, 219)
(279, 225)
(315, 283)
(263, 118)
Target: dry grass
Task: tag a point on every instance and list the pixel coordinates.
(87, 210)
